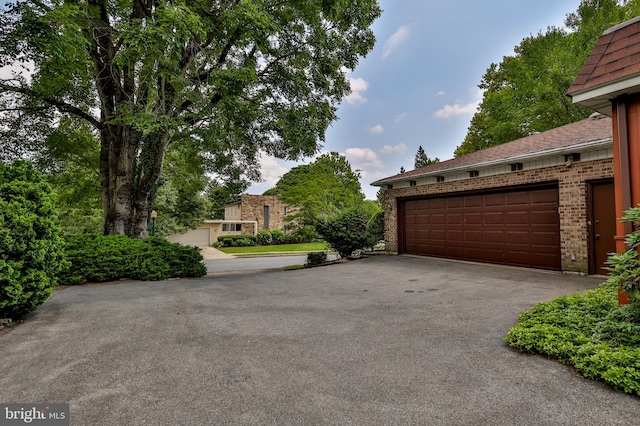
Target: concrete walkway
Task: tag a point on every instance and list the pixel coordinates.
(211, 253)
(389, 340)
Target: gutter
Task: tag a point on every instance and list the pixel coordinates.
(582, 147)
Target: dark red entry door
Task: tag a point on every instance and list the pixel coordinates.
(602, 226)
(513, 227)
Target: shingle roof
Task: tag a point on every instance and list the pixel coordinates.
(616, 56)
(595, 128)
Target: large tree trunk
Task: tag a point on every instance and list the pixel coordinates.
(127, 183)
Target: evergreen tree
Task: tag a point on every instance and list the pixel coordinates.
(422, 160)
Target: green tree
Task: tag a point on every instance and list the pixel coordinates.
(526, 93)
(320, 189)
(232, 78)
(222, 193)
(180, 198)
(31, 249)
(422, 159)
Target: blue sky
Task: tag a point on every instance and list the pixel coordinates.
(418, 86)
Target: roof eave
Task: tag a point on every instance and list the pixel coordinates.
(599, 98)
(582, 147)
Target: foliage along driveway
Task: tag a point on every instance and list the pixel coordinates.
(385, 340)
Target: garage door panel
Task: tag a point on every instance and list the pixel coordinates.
(455, 236)
(438, 219)
(473, 201)
(455, 219)
(544, 239)
(423, 234)
(493, 200)
(518, 218)
(494, 218)
(474, 218)
(475, 236)
(512, 227)
(518, 198)
(494, 236)
(545, 196)
(455, 203)
(493, 256)
(544, 217)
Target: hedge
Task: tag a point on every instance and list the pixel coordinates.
(98, 258)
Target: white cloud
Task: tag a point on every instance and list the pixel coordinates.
(358, 87)
(376, 129)
(400, 117)
(363, 159)
(460, 108)
(396, 40)
(271, 170)
(441, 93)
(456, 109)
(388, 149)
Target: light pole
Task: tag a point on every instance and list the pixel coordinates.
(154, 215)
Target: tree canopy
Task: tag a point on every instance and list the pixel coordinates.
(232, 79)
(526, 93)
(320, 189)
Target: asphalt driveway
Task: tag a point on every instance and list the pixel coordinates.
(386, 340)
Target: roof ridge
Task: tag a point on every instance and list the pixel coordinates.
(621, 25)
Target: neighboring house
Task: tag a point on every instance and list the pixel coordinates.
(268, 211)
(544, 201)
(247, 216)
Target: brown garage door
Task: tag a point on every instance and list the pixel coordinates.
(517, 227)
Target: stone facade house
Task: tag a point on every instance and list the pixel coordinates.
(267, 211)
(543, 201)
(247, 216)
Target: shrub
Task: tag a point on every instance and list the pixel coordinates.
(228, 240)
(625, 267)
(31, 250)
(375, 229)
(242, 242)
(292, 239)
(305, 234)
(277, 237)
(263, 237)
(346, 233)
(316, 258)
(101, 258)
(590, 332)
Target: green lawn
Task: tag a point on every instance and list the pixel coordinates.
(277, 248)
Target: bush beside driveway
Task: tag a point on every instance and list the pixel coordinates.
(384, 340)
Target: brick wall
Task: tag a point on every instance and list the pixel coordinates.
(572, 186)
(252, 208)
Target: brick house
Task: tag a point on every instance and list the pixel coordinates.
(543, 201)
(268, 211)
(247, 216)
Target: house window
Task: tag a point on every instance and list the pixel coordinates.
(439, 178)
(231, 227)
(412, 183)
(474, 173)
(285, 211)
(516, 166)
(266, 218)
(389, 186)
